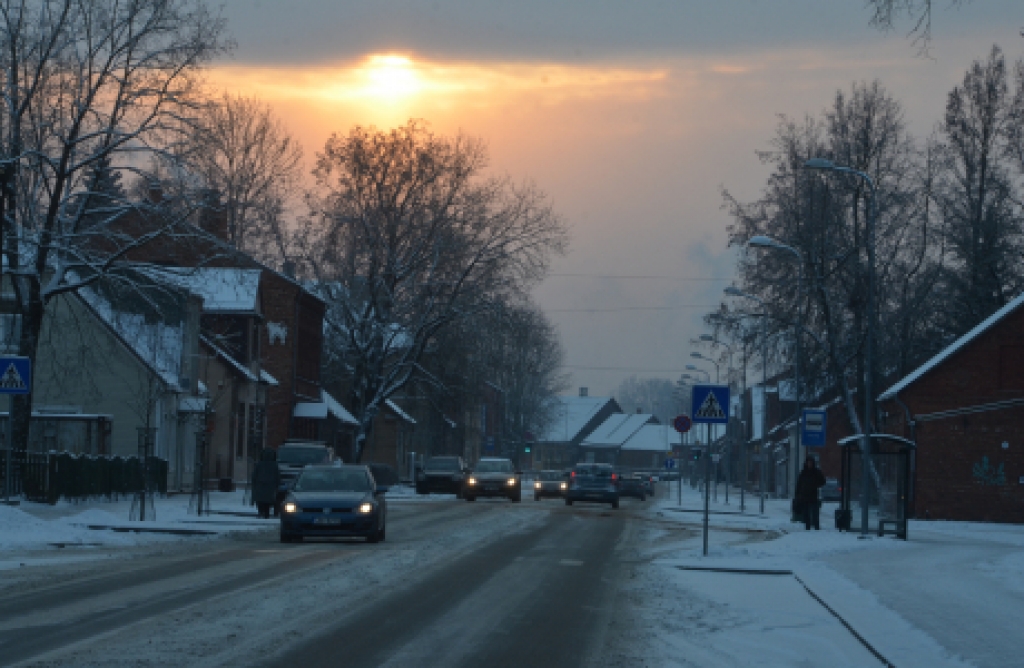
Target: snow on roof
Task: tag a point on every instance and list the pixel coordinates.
(616, 430)
(223, 289)
(192, 405)
(399, 412)
(653, 438)
(268, 379)
(157, 344)
(319, 410)
(571, 415)
(952, 348)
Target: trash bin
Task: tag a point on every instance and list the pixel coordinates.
(226, 485)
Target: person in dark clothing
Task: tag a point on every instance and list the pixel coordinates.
(807, 485)
(266, 478)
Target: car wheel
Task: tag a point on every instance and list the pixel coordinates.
(374, 537)
(383, 533)
(536, 497)
(420, 490)
(470, 498)
(458, 493)
(568, 502)
(615, 504)
(516, 499)
(643, 498)
(286, 539)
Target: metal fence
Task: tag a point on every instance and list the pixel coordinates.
(48, 477)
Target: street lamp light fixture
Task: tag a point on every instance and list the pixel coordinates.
(820, 163)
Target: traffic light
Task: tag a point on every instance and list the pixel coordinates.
(696, 455)
(526, 449)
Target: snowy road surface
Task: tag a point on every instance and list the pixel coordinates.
(500, 584)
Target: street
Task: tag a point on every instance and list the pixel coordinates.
(455, 584)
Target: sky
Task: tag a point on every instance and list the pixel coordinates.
(632, 116)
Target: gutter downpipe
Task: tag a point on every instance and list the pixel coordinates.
(912, 423)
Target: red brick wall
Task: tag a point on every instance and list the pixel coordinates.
(950, 448)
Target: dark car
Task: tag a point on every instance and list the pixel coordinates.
(293, 456)
(441, 475)
(550, 483)
(648, 482)
(596, 483)
(633, 486)
(334, 501)
(494, 476)
(831, 491)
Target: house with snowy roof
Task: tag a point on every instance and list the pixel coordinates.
(575, 418)
(604, 443)
(649, 447)
(964, 409)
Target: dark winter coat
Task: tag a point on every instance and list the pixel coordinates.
(807, 485)
(266, 478)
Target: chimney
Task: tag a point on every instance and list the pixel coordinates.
(213, 217)
(155, 193)
(583, 391)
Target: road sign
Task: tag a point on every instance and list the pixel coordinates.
(670, 463)
(710, 404)
(812, 433)
(682, 424)
(15, 375)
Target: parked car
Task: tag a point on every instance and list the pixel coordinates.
(550, 483)
(597, 483)
(831, 491)
(633, 486)
(441, 475)
(293, 457)
(332, 501)
(494, 476)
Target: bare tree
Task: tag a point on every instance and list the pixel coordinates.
(90, 87)
(650, 395)
(240, 150)
(408, 236)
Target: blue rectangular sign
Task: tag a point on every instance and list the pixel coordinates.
(710, 404)
(813, 426)
(15, 375)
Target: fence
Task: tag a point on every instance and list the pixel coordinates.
(48, 477)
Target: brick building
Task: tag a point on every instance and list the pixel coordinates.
(965, 410)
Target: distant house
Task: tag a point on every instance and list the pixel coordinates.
(576, 417)
(604, 443)
(964, 408)
(649, 447)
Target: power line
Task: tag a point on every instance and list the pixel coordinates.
(618, 309)
(623, 368)
(643, 277)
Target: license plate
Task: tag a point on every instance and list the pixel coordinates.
(326, 520)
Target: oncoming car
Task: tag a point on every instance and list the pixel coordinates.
(494, 476)
(550, 483)
(334, 501)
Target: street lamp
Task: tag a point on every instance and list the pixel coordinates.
(698, 356)
(865, 443)
(736, 292)
(690, 367)
(761, 241)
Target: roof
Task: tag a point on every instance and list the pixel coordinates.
(653, 438)
(319, 410)
(616, 430)
(223, 289)
(952, 348)
(264, 377)
(399, 412)
(572, 414)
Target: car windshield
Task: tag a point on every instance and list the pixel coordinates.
(494, 466)
(550, 475)
(302, 455)
(594, 471)
(443, 464)
(333, 480)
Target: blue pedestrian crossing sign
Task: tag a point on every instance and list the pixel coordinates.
(15, 375)
(670, 463)
(710, 404)
(812, 429)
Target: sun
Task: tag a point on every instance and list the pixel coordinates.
(390, 77)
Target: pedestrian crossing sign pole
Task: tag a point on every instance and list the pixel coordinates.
(710, 406)
(15, 378)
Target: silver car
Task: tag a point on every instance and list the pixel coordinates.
(550, 484)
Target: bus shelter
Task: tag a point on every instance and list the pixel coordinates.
(890, 484)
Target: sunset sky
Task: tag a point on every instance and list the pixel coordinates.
(632, 116)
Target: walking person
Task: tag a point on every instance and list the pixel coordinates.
(807, 485)
(266, 478)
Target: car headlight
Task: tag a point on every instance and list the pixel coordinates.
(537, 485)
(563, 486)
(291, 507)
(472, 481)
(366, 508)
(511, 481)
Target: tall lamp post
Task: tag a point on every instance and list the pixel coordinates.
(760, 241)
(736, 292)
(729, 441)
(869, 342)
